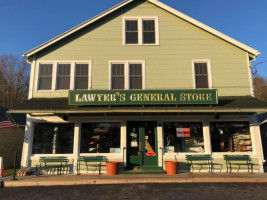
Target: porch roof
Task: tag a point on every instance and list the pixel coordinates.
(55, 106)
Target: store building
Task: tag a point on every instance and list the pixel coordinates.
(142, 83)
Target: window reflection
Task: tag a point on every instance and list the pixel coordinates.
(100, 138)
(183, 137)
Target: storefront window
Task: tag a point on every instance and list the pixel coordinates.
(100, 138)
(230, 137)
(49, 138)
(183, 137)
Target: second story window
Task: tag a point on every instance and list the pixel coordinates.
(45, 76)
(136, 81)
(127, 75)
(141, 31)
(117, 77)
(63, 77)
(81, 76)
(201, 69)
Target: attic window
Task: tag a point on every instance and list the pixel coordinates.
(141, 31)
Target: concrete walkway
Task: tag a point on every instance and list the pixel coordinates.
(60, 180)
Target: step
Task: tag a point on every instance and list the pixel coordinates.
(150, 168)
(135, 172)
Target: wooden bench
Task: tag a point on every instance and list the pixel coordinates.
(52, 162)
(238, 160)
(199, 160)
(89, 161)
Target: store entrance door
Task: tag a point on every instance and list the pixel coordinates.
(142, 145)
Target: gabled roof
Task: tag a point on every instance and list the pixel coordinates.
(232, 41)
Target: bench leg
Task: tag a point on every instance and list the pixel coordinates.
(99, 169)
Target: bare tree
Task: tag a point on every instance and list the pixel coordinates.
(14, 80)
(260, 87)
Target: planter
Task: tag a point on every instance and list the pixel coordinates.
(171, 167)
(112, 167)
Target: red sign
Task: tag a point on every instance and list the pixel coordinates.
(183, 132)
(187, 132)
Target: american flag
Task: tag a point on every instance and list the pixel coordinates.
(4, 121)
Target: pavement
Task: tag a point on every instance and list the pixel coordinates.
(70, 180)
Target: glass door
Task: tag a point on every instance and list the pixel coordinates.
(142, 146)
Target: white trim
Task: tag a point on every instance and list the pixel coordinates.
(250, 76)
(157, 3)
(72, 74)
(126, 64)
(210, 83)
(140, 29)
(31, 85)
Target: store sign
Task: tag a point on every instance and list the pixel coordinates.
(183, 132)
(142, 97)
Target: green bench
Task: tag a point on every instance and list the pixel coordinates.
(56, 162)
(89, 162)
(199, 160)
(238, 160)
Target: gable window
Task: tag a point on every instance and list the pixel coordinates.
(149, 34)
(45, 76)
(127, 75)
(201, 75)
(63, 77)
(131, 32)
(82, 76)
(141, 31)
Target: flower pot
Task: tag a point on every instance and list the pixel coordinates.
(171, 167)
(112, 167)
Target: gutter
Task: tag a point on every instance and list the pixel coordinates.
(52, 112)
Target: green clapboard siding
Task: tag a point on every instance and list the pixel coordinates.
(168, 66)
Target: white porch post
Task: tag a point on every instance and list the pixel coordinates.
(256, 141)
(124, 142)
(206, 135)
(160, 142)
(76, 145)
(27, 144)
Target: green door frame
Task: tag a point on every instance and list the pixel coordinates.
(141, 159)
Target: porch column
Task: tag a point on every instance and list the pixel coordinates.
(160, 142)
(256, 141)
(27, 144)
(124, 142)
(76, 145)
(206, 137)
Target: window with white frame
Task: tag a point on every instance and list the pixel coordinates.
(64, 75)
(141, 31)
(81, 76)
(127, 75)
(201, 74)
(45, 76)
(183, 137)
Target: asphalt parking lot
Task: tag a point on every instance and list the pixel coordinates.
(218, 191)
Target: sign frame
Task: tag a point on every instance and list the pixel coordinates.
(143, 97)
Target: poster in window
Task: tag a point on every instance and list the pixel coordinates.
(187, 132)
(179, 132)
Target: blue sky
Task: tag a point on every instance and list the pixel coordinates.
(28, 23)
